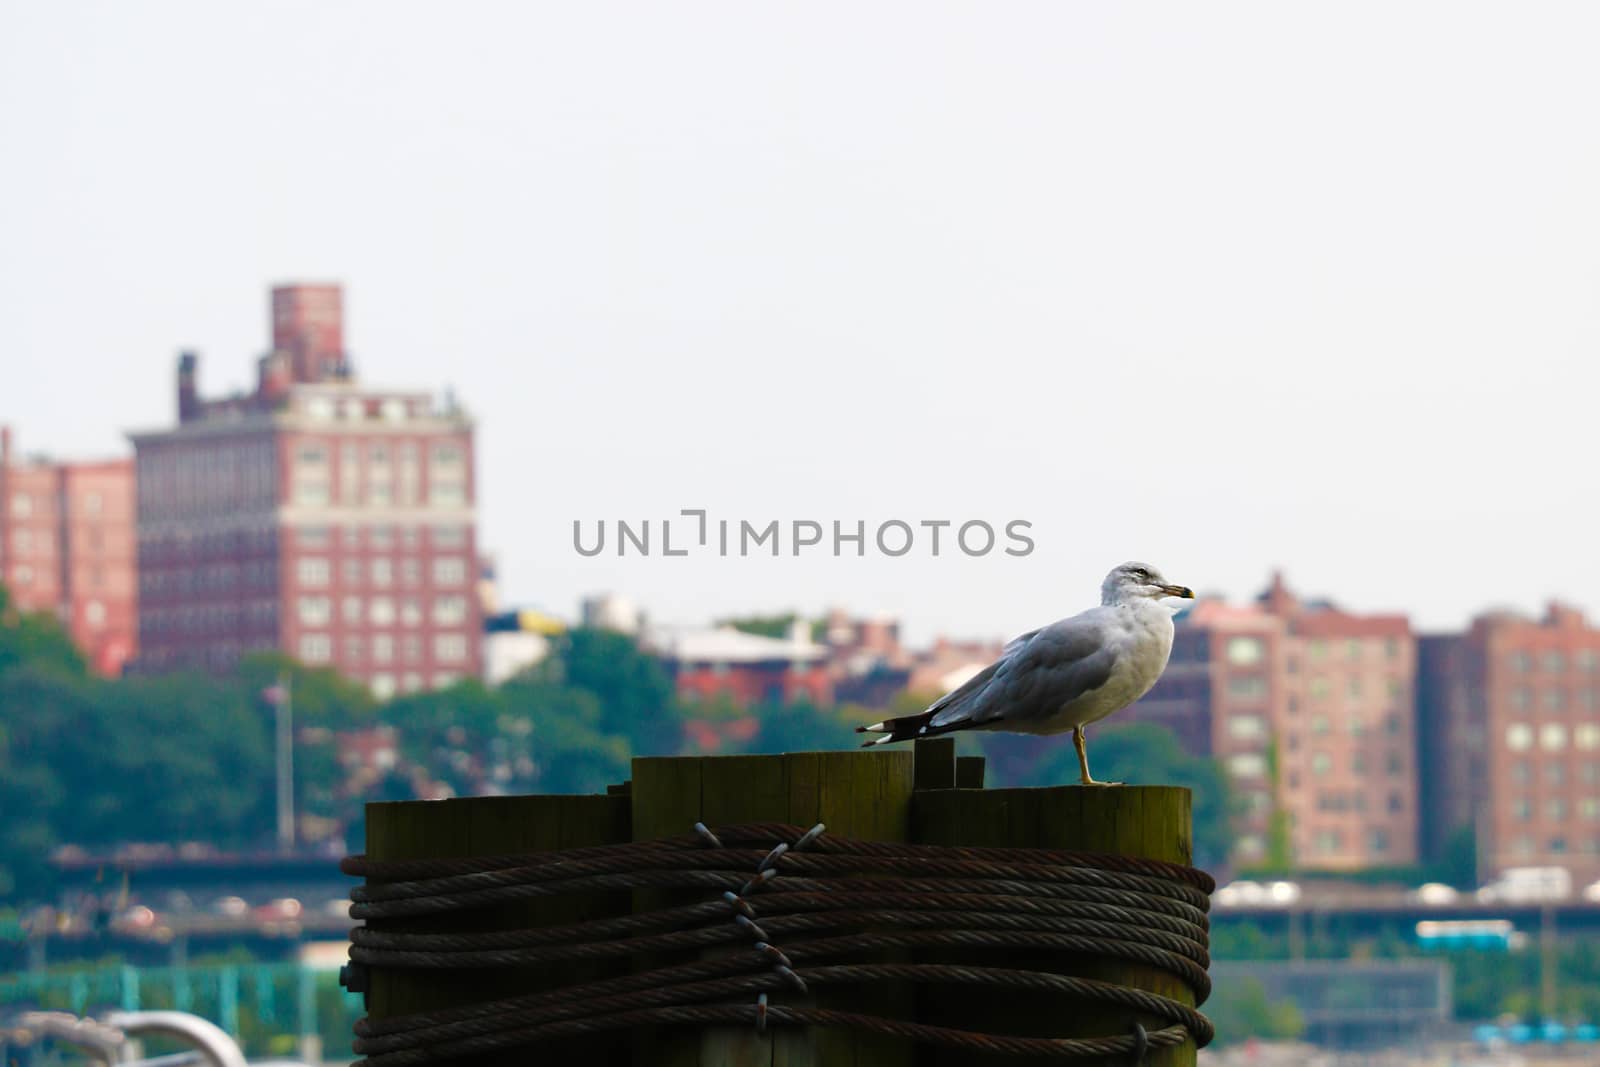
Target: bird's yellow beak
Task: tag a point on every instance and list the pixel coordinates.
(1178, 590)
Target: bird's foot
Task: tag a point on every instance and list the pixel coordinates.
(1098, 784)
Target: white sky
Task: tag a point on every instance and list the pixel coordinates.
(1220, 286)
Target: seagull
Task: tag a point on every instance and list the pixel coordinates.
(1063, 676)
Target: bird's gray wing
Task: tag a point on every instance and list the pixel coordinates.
(963, 693)
(1040, 673)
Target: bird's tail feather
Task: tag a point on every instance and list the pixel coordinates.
(906, 728)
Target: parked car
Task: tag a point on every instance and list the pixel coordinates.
(1528, 885)
(1435, 894)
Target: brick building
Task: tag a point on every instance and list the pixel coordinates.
(311, 515)
(1310, 711)
(66, 547)
(747, 669)
(1510, 715)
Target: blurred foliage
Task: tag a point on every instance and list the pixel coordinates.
(776, 626)
(98, 763)
(1242, 1010)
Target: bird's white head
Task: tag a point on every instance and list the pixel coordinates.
(1135, 581)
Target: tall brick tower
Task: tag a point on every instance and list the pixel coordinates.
(308, 327)
(314, 516)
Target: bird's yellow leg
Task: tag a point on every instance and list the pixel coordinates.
(1078, 740)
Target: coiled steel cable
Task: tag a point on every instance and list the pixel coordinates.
(862, 897)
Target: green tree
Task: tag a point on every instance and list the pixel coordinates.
(633, 691)
(37, 640)
(1242, 1009)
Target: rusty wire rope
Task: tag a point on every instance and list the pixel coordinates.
(790, 915)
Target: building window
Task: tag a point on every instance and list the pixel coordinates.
(313, 537)
(315, 611)
(1555, 809)
(353, 649)
(1250, 687)
(316, 648)
(410, 649)
(1586, 736)
(1378, 841)
(312, 571)
(1245, 651)
(1555, 774)
(382, 571)
(381, 537)
(1519, 737)
(1589, 808)
(411, 612)
(450, 610)
(452, 648)
(382, 648)
(93, 502)
(410, 682)
(1397, 803)
(1552, 737)
(410, 572)
(449, 571)
(1554, 700)
(1319, 687)
(1555, 662)
(1558, 845)
(1319, 725)
(1521, 662)
(21, 505)
(1352, 649)
(1586, 659)
(1392, 724)
(1395, 764)
(1321, 763)
(351, 610)
(447, 494)
(1328, 842)
(443, 679)
(1353, 688)
(1520, 772)
(1243, 727)
(449, 537)
(383, 686)
(1391, 648)
(352, 572)
(381, 611)
(1317, 649)
(1522, 809)
(1251, 846)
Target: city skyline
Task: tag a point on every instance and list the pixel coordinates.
(1225, 290)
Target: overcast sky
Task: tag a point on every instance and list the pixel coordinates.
(1220, 286)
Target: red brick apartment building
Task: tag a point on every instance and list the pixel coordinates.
(314, 515)
(1510, 713)
(1311, 711)
(66, 547)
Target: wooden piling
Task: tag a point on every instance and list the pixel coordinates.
(930, 796)
(497, 826)
(1152, 822)
(864, 795)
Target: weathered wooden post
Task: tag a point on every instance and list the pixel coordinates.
(1147, 822)
(497, 826)
(928, 797)
(857, 794)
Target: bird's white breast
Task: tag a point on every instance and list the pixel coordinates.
(1144, 631)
